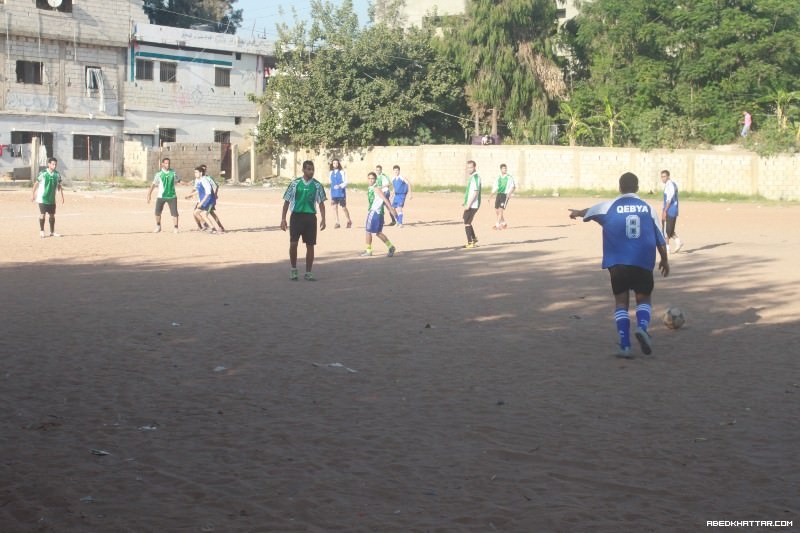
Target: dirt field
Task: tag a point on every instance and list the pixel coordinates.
(441, 390)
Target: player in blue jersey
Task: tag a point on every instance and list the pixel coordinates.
(669, 210)
(630, 239)
(402, 191)
(338, 178)
(206, 199)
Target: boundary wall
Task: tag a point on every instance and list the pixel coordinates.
(726, 169)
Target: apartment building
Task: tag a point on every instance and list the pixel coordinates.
(85, 76)
(192, 86)
(62, 81)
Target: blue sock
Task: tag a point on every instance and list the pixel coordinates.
(643, 316)
(399, 218)
(623, 321)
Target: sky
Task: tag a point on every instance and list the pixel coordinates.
(263, 14)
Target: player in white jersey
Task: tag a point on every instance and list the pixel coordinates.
(205, 200)
(631, 237)
(377, 201)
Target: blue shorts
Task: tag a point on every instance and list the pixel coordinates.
(208, 203)
(374, 222)
(399, 200)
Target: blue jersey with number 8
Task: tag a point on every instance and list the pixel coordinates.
(630, 231)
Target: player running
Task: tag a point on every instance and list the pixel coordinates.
(376, 201)
(630, 239)
(205, 199)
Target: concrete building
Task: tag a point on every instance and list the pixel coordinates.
(415, 11)
(62, 82)
(192, 86)
(84, 77)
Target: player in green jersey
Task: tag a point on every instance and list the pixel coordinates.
(472, 201)
(376, 201)
(503, 188)
(44, 191)
(302, 197)
(165, 181)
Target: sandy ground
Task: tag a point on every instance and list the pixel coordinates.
(441, 390)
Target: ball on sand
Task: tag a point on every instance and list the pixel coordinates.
(674, 318)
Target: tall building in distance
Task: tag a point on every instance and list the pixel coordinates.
(416, 11)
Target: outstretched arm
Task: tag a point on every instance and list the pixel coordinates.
(577, 213)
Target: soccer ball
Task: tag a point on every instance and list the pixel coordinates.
(674, 318)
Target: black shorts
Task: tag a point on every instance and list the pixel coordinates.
(47, 208)
(671, 227)
(305, 225)
(339, 201)
(500, 201)
(171, 202)
(625, 278)
(469, 214)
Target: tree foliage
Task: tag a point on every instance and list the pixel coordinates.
(503, 49)
(688, 67)
(220, 14)
(340, 85)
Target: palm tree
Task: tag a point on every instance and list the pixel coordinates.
(575, 126)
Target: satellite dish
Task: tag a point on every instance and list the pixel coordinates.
(54, 3)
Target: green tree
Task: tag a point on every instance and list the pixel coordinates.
(220, 14)
(700, 62)
(503, 49)
(343, 86)
(575, 127)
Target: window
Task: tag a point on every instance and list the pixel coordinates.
(94, 78)
(561, 13)
(29, 72)
(64, 6)
(238, 56)
(222, 137)
(91, 147)
(26, 137)
(144, 69)
(168, 71)
(166, 135)
(237, 120)
(222, 77)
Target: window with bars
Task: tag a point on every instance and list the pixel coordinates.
(91, 147)
(222, 137)
(94, 78)
(168, 72)
(26, 137)
(166, 135)
(30, 72)
(222, 77)
(144, 69)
